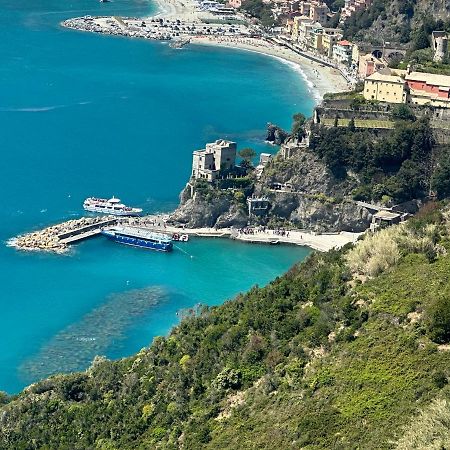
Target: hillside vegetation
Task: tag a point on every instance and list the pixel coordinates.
(399, 22)
(347, 350)
(404, 163)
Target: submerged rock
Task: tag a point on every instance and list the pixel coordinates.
(73, 348)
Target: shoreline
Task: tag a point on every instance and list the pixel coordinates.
(319, 78)
(49, 238)
(177, 20)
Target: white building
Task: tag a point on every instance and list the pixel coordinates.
(342, 52)
(216, 157)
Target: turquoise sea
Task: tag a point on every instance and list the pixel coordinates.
(84, 114)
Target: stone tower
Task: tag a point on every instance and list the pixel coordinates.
(440, 45)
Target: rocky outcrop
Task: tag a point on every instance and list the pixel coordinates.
(300, 189)
(199, 209)
(312, 197)
(275, 134)
(319, 215)
(395, 22)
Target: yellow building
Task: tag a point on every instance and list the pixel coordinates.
(316, 40)
(296, 24)
(385, 88)
(329, 39)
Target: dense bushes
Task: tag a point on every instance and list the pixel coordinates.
(440, 181)
(396, 166)
(438, 318)
(301, 362)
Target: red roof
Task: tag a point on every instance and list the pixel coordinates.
(345, 43)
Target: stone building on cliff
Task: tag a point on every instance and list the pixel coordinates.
(217, 157)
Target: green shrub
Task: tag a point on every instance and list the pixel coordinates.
(438, 318)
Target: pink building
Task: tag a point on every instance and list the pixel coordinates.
(368, 65)
(436, 85)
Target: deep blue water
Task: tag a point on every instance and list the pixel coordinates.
(84, 114)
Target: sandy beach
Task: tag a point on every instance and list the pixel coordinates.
(320, 79)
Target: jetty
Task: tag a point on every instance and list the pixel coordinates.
(56, 238)
(85, 232)
(160, 29)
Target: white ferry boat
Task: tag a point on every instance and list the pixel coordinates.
(112, 206)
(139, 237)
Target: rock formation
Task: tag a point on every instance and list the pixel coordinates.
(300, 188)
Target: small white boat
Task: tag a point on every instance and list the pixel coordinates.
(112, 206)
(180, 237)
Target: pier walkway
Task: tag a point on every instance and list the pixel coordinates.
(84, 232)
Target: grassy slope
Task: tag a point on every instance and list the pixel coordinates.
(362, 392)
(313, 361)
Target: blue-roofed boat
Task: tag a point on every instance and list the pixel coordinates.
(139, 237)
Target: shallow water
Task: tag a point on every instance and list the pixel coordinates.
(84, 114)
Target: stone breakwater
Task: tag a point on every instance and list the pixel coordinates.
(153, 28)
(48, 239)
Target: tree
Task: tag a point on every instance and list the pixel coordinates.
(351, 125)
(440, 181)
(410, 180)
(403, 112)
(297, 127)
(261, 11)
(247, 154)
(438, 318)
(421, 40)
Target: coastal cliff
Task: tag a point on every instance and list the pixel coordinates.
(301, 190)
(331, 173)
(203, 206)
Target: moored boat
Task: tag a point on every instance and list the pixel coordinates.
(139, 237)
(180, 237)
(112, 206)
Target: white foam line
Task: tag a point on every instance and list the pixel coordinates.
(298, 68)
(41, 108)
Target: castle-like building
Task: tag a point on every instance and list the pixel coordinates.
(440, 45)
(217, 157)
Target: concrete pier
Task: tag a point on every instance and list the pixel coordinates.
(57, 237)
(85, 232)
